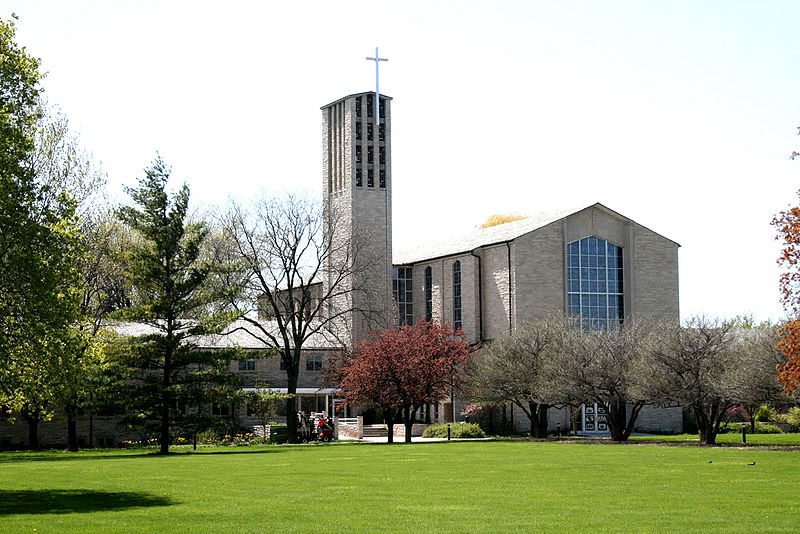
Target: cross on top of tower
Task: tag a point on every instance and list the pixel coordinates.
(377, 59)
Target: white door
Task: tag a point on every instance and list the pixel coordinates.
(594, 418)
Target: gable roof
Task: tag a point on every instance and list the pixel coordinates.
(483, 237)
(235, 335)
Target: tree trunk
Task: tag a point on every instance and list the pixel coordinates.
(72, 430)
(537, 414)
(291, 406)
(163, 438)
(32, 419)
(705, 427)
(617, 420)
(408, 421)
(388, 417)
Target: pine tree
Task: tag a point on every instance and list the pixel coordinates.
(170, 382)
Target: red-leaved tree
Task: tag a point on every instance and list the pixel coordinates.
(787, 224)
(401, 370)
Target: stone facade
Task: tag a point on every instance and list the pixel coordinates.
(357, 203)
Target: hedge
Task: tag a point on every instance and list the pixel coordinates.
(457, 430)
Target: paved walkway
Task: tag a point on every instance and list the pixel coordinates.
(418, 439)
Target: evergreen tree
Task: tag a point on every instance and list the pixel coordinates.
(169, 382)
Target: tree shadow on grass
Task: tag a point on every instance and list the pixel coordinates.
(118, 454)
(67, 501)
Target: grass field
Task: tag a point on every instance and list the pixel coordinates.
(792, 439)
(457, 486)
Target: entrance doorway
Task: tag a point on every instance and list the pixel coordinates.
(594, 418)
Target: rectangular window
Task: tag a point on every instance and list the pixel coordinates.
(220, 409)
(247, 365)
(358, 106)
(370, 178)
(370, 154)
(382, 105)
(358, 153)
(359, 174)
(358, 131)
(369, 132)
(313, 362)
(283, 363)
(370, 106)
(382, 178)
(382, 132)
(382, 155)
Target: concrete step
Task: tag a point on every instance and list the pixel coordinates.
(375, 431)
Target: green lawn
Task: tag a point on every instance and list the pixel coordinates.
(723, 439)
(486, 486)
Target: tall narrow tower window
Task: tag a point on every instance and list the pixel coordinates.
(370, 106)
(403, 294)
(382, 178)
(358, 106)
(382, 106)
(457, 295)
(382, 155)
(382, 132)
(358, 131)
(358, 153)
(359, 177)
(370, 178)
(370, 154)
(369, 131)
(428, 294)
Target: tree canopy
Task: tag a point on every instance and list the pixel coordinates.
(401, 370)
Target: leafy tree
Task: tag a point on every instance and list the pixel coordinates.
(787, 224)
(283, 255)
(262, 405)
(171, 283)
(610, 368)
(39, 253)
(401, 370)
(63, 170)
(513, 368)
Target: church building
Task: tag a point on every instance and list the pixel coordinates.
(589, 261)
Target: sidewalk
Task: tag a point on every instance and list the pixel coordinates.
(418, 439)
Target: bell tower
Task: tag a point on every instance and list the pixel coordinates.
(357, 206)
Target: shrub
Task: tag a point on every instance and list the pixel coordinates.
(793, 417)
(764, 413)
(761, 428)
(457, 430)
(764, 428)
(207, 437)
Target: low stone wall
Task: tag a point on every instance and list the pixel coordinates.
(399, 430)
(106, 431)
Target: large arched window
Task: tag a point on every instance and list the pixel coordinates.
(428, 294)
(457, 295)
(595, 288)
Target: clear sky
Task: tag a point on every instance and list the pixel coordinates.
(680, 115)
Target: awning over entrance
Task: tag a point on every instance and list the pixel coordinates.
(300, 391)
